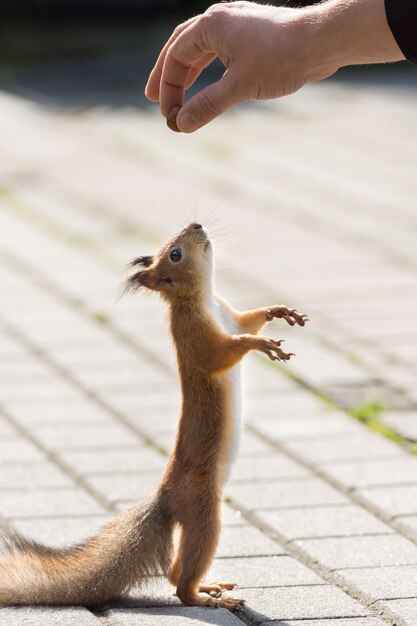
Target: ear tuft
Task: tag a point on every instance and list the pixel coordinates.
(145, 261)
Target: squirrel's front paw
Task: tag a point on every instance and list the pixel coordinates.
(289, 315)
(272, 348)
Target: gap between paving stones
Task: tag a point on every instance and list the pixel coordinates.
(330, 343)
(49, 286)
(297, 552)
(54, 458)
(324, 572)
(323, 475)
(101, 139)
(39, 353)
(335, 230)
(66, 374)
(99, 253)
(332, 226)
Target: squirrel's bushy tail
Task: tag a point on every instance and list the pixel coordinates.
(133, 547)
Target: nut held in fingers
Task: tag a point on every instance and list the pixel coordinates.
(172, 119)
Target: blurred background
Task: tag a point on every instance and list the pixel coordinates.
(99, 52)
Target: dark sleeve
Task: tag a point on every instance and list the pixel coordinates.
(402, 20)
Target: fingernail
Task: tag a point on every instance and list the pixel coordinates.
(172, 119)
(187, 123)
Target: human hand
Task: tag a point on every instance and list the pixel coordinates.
(261, 47)
(268, 52)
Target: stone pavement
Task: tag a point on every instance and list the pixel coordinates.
(312, 202)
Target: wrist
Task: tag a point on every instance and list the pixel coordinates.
(347, 32)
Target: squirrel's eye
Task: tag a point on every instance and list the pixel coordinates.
(175, 255)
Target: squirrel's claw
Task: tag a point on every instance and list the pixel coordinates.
(273, 351)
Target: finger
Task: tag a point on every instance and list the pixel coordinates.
(152, 86)
(172, 115)
(208, 104)
(195, 72)
(187, 53)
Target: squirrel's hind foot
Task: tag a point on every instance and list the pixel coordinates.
(215, 589)
(231, 604)
(195, 599)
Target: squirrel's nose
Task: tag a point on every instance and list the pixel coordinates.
(195, 226)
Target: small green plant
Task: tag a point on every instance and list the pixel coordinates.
(368, 411)
(100, 317)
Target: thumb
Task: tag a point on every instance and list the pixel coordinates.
(207, 104)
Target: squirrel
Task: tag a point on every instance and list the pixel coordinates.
(210, 338)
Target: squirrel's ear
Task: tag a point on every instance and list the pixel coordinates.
(145, 261)
(149, 279)
(143, 278)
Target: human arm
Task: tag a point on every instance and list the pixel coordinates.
(268, 52)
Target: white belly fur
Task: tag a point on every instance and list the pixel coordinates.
(233, 417)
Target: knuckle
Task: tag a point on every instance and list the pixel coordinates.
(208, 106)
(216, 9)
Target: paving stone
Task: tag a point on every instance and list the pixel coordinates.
(15, 475)
(303, 602)
(245, 541)
(384, 582)
(259, 380)
(404, 422)
(173, 616)
(47, 616)
(230, 517)
(80, 411)
(87, 437)
(265, 466)
(6, 429)
(334, 366)
(251, 443)
(44, 502)
(326, 521)
(271, 571)
(302, 492)
(38, 394)
(165, 439)
(104, 461)
(277, 404)
(307, 427)
(405, 610)
(153, 421)
(127, 486)
(392, 501)
(61, 531)
(408, 523)
(350, 621)
(47, 385)
(375, 473)
(18, 449)
(372, 550)
(334, 449)
(118, 374)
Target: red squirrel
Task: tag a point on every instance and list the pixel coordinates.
(210, 338)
